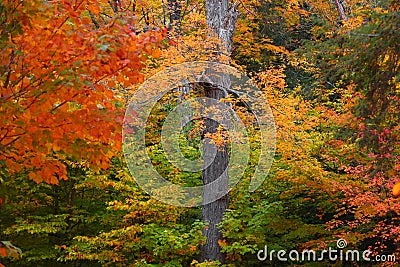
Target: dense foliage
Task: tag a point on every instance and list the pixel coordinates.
(68, 69)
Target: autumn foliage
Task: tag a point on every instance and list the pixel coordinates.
(57, 72)
(68, 69)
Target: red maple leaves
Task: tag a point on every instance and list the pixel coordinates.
(56, 73)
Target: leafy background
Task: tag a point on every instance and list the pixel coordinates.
(68, 69)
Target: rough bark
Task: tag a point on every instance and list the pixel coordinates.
(221, 18)
(212, 213)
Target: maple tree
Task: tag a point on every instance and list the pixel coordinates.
(371, 69)
(57, 72)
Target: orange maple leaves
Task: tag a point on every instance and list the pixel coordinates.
(56, 73)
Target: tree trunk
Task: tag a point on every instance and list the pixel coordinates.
(221, 18)
(174, 15)
(212, 213)
(340, 8)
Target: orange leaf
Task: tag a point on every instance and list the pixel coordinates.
(94, 9)
(35, 177)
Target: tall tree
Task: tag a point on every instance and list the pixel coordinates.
(221, 18)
